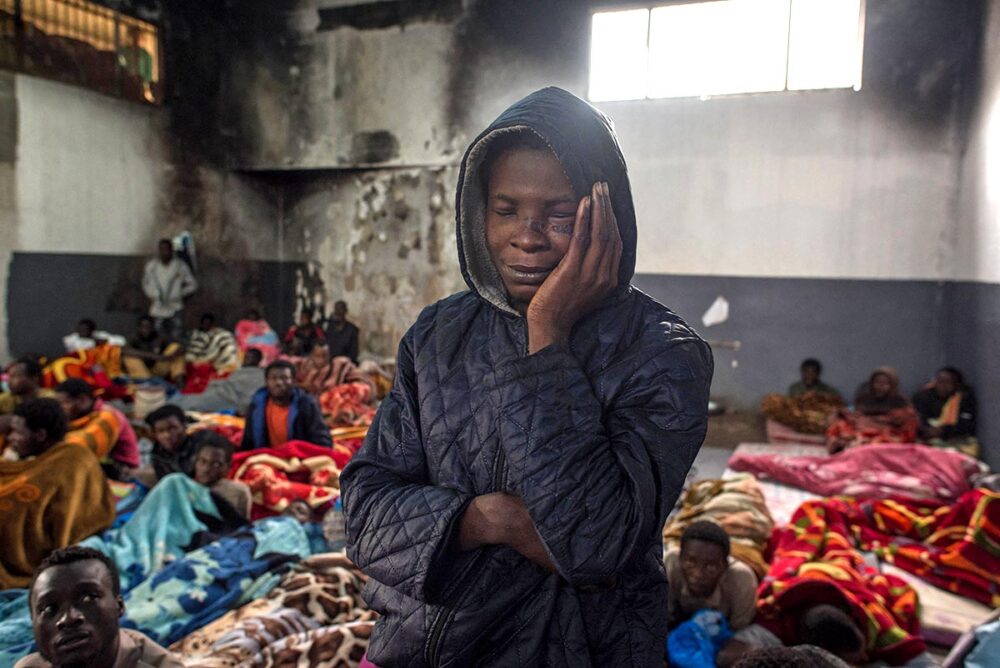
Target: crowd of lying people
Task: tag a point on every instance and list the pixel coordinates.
(260, 436)
(276, 455)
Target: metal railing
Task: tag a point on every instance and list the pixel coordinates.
(82, 43)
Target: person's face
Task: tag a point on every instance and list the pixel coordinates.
(166, 252)
(25, 443)
(20, 383)
(84, 330)
(810, 375)
(169, 433)
(207, 324)
(280, 383)
(530, 214)
(945, 385)
(320, 355)
(75, 408)
(339, 312)
(75, 615)
(210, 466)
(146, 328)
(702, 564)
(305, 319)
(300, 510)
(881, 386)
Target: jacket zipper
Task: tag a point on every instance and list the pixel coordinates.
(442, 616)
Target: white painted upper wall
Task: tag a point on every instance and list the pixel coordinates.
(814, 184)
(88, 170)
(977, 252)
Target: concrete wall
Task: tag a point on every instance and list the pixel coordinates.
(974, 314)
(89, 183)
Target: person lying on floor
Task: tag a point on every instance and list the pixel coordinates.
(213, 457)
(214, 346)
(76, 603)
(826, 626)
(173, 449)
(151, 353)
(99, 427)
(701, 575)
(320, 372)
(882, 414)
(57, 494)
(231, 393)
(509, 500)
(810, 372)
(281, 412)
(947, 410)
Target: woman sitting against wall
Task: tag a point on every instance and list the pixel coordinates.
(882, 414)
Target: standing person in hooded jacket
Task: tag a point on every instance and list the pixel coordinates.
(509, 499)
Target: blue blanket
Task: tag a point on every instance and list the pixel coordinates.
(169, 587)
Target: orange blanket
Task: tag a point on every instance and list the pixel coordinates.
(54, 500)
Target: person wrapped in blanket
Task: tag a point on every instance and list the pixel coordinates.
(808, 405)
(820, 590)
(99, 427)
(703, 576)
(254, 333)
(882, 414)
(211, 353)
(76, 604)
(213, 456)
(55, 493)
(947, 410)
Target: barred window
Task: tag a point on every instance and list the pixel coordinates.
(82, 43)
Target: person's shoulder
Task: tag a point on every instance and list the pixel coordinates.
(739, 572)
(659, 330)
(70, 453)
(445, 312)
(147, 652)
(34, 660)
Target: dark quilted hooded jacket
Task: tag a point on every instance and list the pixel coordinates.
(596, 436)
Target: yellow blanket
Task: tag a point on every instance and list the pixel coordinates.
(51, 501)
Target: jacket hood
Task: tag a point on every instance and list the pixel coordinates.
(584, 141)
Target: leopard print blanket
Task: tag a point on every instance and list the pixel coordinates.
(315, 618)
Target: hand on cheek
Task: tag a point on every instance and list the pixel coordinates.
(587, 274)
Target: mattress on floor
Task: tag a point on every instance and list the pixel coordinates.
(782, 500)
(943, 616)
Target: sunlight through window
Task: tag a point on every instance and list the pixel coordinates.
(618, 55)
(726, 47)
(824, 48)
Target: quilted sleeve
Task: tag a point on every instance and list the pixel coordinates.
(599, 481)
(398, 525)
